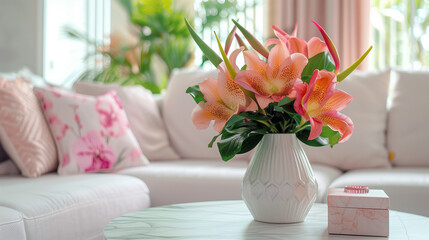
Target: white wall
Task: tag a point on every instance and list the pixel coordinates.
(21, 35)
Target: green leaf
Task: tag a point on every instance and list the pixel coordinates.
(285, 101)
(153, 87)
(320, 61)
(196, 93)
(231, 145)
(254, 115)
(232, 122)
(331, 135)
(317, 142)
(213, 140)
(279, 109)
(208, 52)
(252, 40)
(341, 76)
(250, 142)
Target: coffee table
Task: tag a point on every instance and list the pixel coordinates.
(232, 220)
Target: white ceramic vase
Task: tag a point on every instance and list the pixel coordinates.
(279, 185)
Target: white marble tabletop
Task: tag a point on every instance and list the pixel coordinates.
(232, 220)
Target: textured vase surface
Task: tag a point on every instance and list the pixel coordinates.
(279, 185)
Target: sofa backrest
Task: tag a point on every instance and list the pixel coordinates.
(407, 132)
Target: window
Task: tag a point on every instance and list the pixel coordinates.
(216, 15)
(63, 56)
(400, 33)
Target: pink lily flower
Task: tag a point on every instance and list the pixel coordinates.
(274, 80)
(298, 45)
(319, 102)
(223, 98)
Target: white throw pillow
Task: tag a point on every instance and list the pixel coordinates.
(367, 146)
(177, 107)
(144, 116)
(407, 132)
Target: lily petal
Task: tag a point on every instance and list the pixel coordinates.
(205, 112)
(253, 81)
(229, 91)
(322, 90)
(297, 45)
(300, 89)
(254, 63)
(295, 30)
(233, 58)
(277, 55)
(271, 41)
(201, 118)
(309, 90)
(338, 122)
(338, 101)
(209, 89)
(316, 128)
(289, 72)
(280, 34)
(316, 46)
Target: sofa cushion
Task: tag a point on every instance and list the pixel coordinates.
(407, 133)
(206, 180)
(407, 188)
(72, 206)
(367, 146)
(144, 116)
(177, 108)
(92, 133)
(8, 168)
(24, 133)
(324, 175)
(11, 224)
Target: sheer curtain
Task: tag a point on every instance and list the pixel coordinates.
(346, 22)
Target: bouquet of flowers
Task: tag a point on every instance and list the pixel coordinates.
(289, 87)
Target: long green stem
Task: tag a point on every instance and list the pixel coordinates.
(265, 123)
(300, 128)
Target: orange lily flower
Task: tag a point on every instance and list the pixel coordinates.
(223, 96)
(274, 80)
(298, 45)
(319, 102)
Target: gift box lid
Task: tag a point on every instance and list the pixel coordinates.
(373, 199)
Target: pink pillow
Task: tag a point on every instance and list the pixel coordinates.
(92, 134)
(24, 134)
(144, 116)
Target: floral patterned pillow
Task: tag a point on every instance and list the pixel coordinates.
(92, 134)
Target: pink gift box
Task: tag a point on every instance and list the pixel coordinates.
(358, 213)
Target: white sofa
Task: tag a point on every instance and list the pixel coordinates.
(79, 206)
